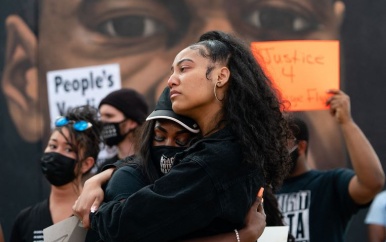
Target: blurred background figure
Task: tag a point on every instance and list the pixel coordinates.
(376, 219)
(122, 112)
(340, 192)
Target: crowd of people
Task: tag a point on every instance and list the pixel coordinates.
(195, 169)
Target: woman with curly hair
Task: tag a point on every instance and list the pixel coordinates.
(164, 134)
(217, 83)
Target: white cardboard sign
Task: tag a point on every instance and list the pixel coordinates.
(68, 230)
(80, 86)
(274, 234)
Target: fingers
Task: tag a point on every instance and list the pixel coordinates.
(86, 221)
(333, 93)
(260, 193)
(89, 200)
(261, 210)
(259, 201)
(82, 211)
(256, 204)
(339, 104)
(76, 212)
(259, 206)
(337, 95)
(97, 202)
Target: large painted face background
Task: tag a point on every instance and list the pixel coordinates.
(143, 37)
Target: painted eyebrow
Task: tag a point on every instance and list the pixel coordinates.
(179, 62)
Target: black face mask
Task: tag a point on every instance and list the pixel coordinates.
(111, 133)
(58, 169)
(163, 157)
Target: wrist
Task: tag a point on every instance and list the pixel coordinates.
(248, 234)
(348, 127)
(102, 178)
(96, 180)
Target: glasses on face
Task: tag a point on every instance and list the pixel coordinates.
(80, 125)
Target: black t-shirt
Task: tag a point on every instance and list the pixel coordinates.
(30, 223)
(317, 205)
(106, 162)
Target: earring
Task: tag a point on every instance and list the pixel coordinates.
(215, 91)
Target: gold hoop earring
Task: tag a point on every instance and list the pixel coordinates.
(215, 91)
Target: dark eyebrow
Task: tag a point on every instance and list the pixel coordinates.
(179, 62)
(57, 141)
(182, 131)
(160, 128)
(53, 139)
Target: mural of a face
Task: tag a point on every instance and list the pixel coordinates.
(143, 36)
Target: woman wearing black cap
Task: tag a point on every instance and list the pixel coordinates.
(166, 133)
(122, 112)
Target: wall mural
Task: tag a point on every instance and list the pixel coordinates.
(141, 38)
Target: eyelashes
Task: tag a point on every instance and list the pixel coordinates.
(281, 19)
(135, 26)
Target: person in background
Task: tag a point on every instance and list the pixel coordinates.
(69, 156)
(376, 219)
(318, 205)
(121, 113)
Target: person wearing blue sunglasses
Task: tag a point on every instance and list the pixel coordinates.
(70, 154)
(80, 125)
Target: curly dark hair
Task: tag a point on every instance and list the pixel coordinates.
(251, 106)
(85, 143)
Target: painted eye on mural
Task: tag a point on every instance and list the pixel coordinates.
(281, 19)
(134, 26)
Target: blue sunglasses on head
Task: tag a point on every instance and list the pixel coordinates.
(79, 125)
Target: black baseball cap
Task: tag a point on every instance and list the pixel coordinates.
(163, 110)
